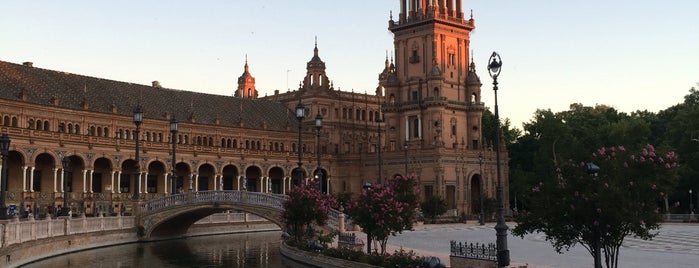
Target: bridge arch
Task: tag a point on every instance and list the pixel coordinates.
(172, 215)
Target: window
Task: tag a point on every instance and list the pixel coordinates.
(124, 183)
(415, 95)
(415, 128)
(97, 182)
(453, 126)
(152, 184)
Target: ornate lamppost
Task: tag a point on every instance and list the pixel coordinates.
(480, 185)
(298, 173)
(319, 173)
(367, 186)
(379, 120)
(173, 130)
(494, 68)
(4, 150)
(137, 120)
(66, 177)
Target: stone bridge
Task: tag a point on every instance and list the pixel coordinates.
(172, 215)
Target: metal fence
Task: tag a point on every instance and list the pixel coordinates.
(474, 251)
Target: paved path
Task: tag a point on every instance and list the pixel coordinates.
(677, 245)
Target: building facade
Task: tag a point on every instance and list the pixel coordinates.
(424, 118)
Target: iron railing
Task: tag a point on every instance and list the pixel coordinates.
(474, 251)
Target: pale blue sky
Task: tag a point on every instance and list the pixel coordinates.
(628, 54)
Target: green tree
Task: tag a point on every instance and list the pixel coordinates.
(386, 209)
(433, 207)
(599, 210)
(306, 205)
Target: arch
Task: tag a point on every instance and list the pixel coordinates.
(16, 160)
(46, 125)
(102, 175)
(276, 177)
(205, 177)
(475, 193)
(14, 122)
(182, 172)
(230, 175)
(252, 178)
(435, 92)
(154, 181)
(6, 121)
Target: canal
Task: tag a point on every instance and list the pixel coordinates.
(230, 250)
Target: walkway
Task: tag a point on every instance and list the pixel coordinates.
(677, 245)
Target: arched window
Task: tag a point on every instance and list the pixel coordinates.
(258, 145)
(30, 123)
(77, 129)
(435, 92)
(70, 128)
(39, 125)
(46, 125)
(186, 139)
(14, 121)
(128, 134)
(473, 98)
(247, 144)
(106, 132)
(223, 142)
(235, 143)
(6, 121)
(99, 131)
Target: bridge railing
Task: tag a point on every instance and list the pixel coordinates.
(252, 198)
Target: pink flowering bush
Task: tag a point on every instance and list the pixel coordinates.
(306, 205)
(386, 209)
(598, 210)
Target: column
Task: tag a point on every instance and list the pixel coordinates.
(84, 180)
(91, 180)
(118, 182)
(55, 179)
(111, 182)
(327, 182)
(191, 182)
(31, 180)
(269, 184)
(419, 127)
(237, 184)
(144, 180)
(138, 177)
(407, 128)
(24, 178)
(62, 178)
(220, 182)
(284, 185)
(165, 183)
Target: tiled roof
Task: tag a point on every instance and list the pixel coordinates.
(40, 86)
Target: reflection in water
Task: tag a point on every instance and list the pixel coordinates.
(233, 250)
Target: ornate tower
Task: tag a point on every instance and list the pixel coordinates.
(315, 72)
(246, 84)
(432, 94)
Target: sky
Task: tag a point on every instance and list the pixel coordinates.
(631, 55)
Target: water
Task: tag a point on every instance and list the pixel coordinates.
(257, 250)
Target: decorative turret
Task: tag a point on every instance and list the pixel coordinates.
(246, 84)
(315, 72)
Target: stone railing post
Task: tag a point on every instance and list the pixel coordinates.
(341, 222)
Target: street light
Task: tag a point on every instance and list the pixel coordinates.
(592, 169)
(480, 185)
(367, 187)
(173, 130)
(4, 150)
(378, 123)
(300, 114)
(319, 173)
(494, 68)
(66, 177)
(137, 120)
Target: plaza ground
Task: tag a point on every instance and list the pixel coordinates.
(677, 245)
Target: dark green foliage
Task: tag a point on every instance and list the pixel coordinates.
(433, 207)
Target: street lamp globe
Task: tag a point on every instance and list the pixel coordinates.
(138, 115)
(300, 110)
(494, 65)
(319, 121)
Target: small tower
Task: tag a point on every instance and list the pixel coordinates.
(246, 84)
(315, 72)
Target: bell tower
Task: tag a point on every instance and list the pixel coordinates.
(432, 92)
(246, 84)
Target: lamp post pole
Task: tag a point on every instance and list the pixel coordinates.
(66, 177)
(4, 150)
(691, 205)
(298, 177)
(405, 157)
(367, 187)
(592, 169)
(378, 143)
(319, 173)
(137, 120)
(494, 68)
(173, 130)
(480, 186)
